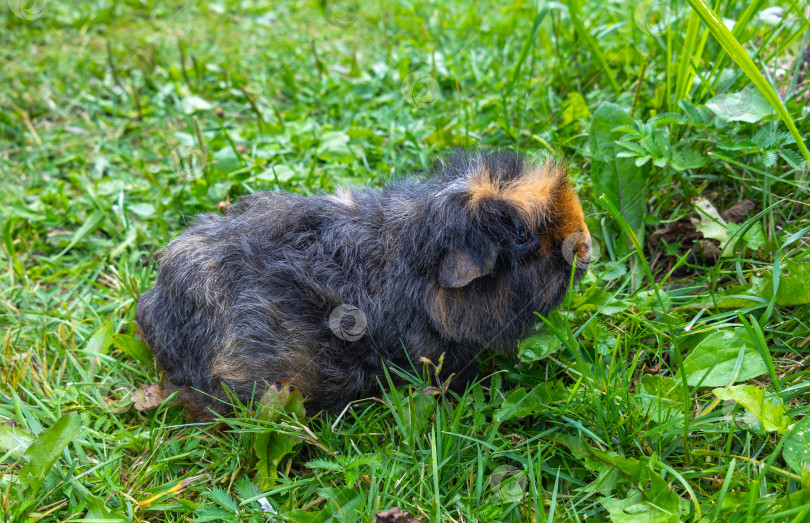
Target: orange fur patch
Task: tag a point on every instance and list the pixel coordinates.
(480, 186)
(572, 219)
(532, 192)
(537, 193)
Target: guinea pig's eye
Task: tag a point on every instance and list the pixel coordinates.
(523, 238)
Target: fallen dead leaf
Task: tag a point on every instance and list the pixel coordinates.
(678, 230)
(709, 249)
(697, 227)
(148, 397)
(395, 515)
(739, 211)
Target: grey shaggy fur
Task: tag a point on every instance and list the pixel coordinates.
(434, 266)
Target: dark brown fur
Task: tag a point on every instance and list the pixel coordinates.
(457, 263)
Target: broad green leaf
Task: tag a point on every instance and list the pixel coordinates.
(619, 179)
(98, 509)
(746, 106)
(638, 508)
(606, 481)
(280, 401)
(662, 397)
(13, 442)
(714, 359)
(733, 500)
(418, 409)
(300, 515)
(771, 414)
(797, 446)
(709, 222)
(538, 346)
(666, 388)
(192, 104)
(343, 503)
(604, 341)
(144, 210)
(575, 108)
(132, 347)
(520, 403)
(334, 143)
(43, 453)
(282, 173)
(607, 118)
(655, 504)
(794, 285)
(101, 339)
(598, 300)
(798, 503)
(226, 159)
(631, 468)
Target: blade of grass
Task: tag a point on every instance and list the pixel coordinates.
(737, 53)
(573, 12)
(684, 81)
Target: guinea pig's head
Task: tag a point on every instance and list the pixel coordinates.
(506, 237)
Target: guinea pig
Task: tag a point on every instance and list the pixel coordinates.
(326, 291)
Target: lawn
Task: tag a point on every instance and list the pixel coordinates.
(671, 385)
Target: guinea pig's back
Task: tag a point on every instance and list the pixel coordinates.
(201, 275)
(247, 296)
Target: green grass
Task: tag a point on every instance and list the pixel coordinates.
(121, 120)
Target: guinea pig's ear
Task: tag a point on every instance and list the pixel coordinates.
(462, 265)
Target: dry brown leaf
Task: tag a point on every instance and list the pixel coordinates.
(148, 397)
(710, 250)
(685, 230)
(739, 211)
(672, 232)
(395, 515)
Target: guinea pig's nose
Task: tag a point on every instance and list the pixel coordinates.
(583, 247)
